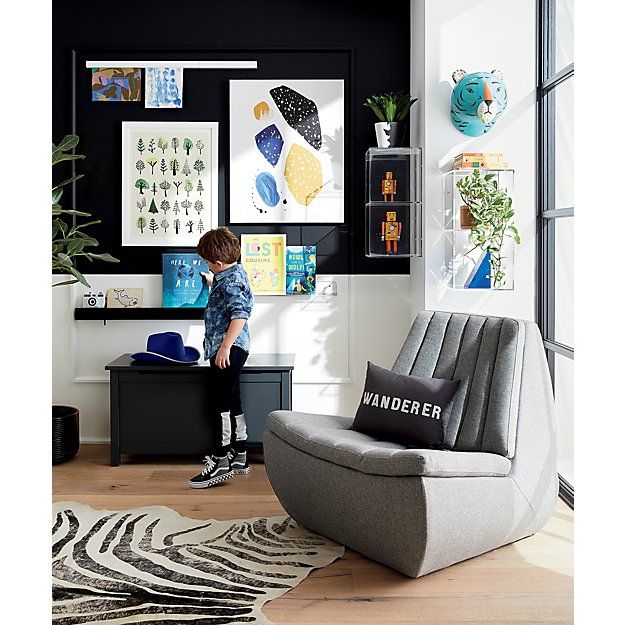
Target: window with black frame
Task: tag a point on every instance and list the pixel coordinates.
(556, 216)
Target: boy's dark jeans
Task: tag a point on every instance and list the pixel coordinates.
(226, 410)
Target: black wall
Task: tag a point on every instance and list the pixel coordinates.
(365, 43)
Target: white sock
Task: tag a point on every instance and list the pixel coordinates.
(226, 431)
(241, 428)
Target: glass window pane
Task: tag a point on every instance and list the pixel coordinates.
(563, 148)
(564, 415)
(563, 33)
(563, 296)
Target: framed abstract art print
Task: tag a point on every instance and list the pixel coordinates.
(286, 151)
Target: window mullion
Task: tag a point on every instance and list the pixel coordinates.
(556, 213)
(559, 348)
(557, 79)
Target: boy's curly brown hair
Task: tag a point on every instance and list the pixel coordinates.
(219, 245)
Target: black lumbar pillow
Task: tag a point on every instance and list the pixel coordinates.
(404, 408)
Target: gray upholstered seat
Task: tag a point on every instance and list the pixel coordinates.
(332, 439)
(421, 510)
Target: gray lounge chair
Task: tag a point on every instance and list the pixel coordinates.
(420, 510)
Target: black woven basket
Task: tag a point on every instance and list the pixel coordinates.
(65, 439)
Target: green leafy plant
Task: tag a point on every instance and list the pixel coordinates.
(491, 223)
(390, 107)
(70, 241)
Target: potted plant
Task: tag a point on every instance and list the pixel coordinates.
(491, 221)
(69, 241)
(391, 109)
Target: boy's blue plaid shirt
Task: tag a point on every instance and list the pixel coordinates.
(230, 298)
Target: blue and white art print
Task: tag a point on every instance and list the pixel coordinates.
(163, 87)
(287, 151)
(183, 285)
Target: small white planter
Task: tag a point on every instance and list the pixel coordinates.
(382, 132)
(389, 134)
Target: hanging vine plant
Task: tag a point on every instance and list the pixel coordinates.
(491, 220)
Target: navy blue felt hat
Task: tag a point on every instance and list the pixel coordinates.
(167, 348)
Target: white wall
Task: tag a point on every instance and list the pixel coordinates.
(475, 35)
(332, 337)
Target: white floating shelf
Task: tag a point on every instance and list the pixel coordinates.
(182, 64)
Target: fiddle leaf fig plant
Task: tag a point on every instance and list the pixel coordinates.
(69, 239)
(491, 212)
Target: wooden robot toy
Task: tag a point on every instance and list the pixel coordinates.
(389, 187)
(391, 231)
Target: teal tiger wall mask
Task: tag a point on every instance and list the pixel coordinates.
(477, 101)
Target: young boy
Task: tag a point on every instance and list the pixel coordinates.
(226, 344)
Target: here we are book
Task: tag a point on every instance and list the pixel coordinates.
(183, 286)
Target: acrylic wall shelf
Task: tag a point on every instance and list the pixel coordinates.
(465, 267)
(393, 202)
(325, 289)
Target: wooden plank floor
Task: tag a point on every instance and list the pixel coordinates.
(529, 582)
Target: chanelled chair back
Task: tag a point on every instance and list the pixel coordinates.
(486, 355)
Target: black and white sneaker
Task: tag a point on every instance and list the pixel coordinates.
(215, 470)
(238, 462)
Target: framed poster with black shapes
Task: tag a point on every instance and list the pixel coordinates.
(287, 151)
(169, 182)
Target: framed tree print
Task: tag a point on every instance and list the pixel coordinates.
(286, 151)
(169, 182)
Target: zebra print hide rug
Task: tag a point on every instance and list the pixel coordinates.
(153, 566)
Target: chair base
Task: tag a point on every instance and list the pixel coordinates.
(415, 525)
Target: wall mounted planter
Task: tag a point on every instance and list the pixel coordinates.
(468, 267)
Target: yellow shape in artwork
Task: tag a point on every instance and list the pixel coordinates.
(261, 110)
(302, 173)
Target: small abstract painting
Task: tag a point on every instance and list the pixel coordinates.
(286, 151)
(163, 87)
(111, 84)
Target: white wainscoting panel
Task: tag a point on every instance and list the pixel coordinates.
(332, 336)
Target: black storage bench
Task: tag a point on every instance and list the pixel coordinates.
(164, 409)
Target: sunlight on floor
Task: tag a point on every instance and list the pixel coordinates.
(557, 555)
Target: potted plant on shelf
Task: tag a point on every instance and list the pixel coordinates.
(391, 109)
(69, 241)
(491, 221)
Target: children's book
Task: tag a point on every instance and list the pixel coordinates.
(183, 286)
(262, 257)
(301, 269)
